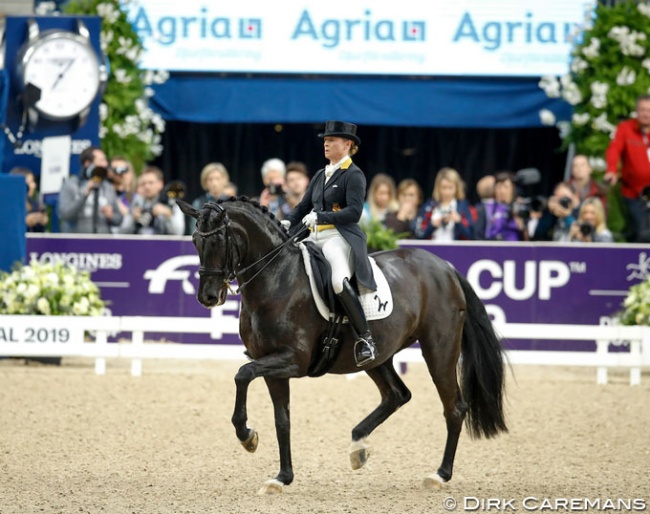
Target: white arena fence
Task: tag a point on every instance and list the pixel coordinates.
(64, 336)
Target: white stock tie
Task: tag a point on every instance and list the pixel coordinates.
(329, 170)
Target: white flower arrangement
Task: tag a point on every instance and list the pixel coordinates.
(636, 307)
(50, 289)
(609, 69)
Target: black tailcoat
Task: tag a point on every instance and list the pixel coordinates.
(340, 203)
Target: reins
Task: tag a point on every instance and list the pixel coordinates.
(236, 273)
(275, 251)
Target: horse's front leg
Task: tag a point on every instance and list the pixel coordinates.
(276, 369)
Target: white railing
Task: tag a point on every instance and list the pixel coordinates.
(45, 334)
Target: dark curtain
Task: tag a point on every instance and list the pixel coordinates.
(402, 152)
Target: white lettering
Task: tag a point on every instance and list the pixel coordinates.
(552, 274)
(168, 270)
(489, 279)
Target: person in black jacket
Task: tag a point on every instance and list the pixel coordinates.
(331, 208)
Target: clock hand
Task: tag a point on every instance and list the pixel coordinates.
(63, 72)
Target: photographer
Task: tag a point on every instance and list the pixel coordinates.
(590, 226)
(273, 172)
(559, 215)
(88, 202)
(153, 211)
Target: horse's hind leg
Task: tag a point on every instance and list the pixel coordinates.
(394, 394)
(441, 358)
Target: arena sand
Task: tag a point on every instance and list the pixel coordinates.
(74, 442)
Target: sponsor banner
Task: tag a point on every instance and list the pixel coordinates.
(411, 37)
(518, 282)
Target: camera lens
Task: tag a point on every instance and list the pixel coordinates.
(587, 229)
(565, 202)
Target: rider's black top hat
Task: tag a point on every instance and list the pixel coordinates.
(341, 129)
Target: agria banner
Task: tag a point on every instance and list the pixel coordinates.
(409, 37)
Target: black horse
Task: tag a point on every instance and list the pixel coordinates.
(281, 329)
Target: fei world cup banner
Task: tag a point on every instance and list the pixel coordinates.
(409, 37)
(518, 282)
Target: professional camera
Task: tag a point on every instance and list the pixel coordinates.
(527, 202)
(275, 189)
(586, 229)
(95, 173)
(565, 202)
(172, 192)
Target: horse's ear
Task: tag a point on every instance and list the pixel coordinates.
(187, 208)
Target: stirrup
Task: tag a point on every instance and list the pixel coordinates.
(364, 351)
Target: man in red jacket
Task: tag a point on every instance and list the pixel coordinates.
(631, 149)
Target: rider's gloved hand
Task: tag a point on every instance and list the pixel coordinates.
(310, 220)
(286, 225)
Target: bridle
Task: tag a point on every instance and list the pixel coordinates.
(234, 271)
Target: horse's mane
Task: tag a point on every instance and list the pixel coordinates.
(264, 210)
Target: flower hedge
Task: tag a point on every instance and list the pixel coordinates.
(609, 69)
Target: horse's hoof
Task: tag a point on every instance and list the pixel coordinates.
(359, 453)
(434, 481)
(272, 486)
(250, 444)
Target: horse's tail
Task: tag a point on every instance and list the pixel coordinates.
(482, 368)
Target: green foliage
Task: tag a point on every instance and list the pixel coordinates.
(609, 70)
(380, 237)
(637, 305)
(129, 127)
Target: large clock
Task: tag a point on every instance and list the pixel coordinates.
(60, 74)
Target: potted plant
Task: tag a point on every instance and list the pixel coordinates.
(49, 289)
(379, 237)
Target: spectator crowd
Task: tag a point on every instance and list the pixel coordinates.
(108, 197)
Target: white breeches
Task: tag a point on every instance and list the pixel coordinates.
(338, 253)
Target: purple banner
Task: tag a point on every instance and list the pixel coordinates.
(518, 282)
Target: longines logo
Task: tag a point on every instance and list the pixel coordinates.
(81, 261)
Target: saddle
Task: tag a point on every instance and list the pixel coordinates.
(376, 304)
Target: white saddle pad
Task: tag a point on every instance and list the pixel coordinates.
(376, 304)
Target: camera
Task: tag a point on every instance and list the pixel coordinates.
(526, 181)
(172, 192)
(523, 207)
(565, 202)
(587, 229)
(275, 189)
(95, 173)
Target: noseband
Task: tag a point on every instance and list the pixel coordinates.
(205, 271)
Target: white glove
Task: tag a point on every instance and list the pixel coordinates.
(286, 225)
(310, 220)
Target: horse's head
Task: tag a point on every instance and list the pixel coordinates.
(212, 239)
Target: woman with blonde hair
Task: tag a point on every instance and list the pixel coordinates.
(447, 216)
(214, 179)
(381, 199)
(590, 226)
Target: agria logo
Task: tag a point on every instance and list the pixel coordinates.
(167, 30)
(331, 31)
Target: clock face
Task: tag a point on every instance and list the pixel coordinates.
(64, 67)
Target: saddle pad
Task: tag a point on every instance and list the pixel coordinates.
(376, 304)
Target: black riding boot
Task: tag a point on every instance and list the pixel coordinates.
(364, 347)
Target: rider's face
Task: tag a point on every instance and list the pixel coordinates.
(336, 148)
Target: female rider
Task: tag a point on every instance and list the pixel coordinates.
(331, 208)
